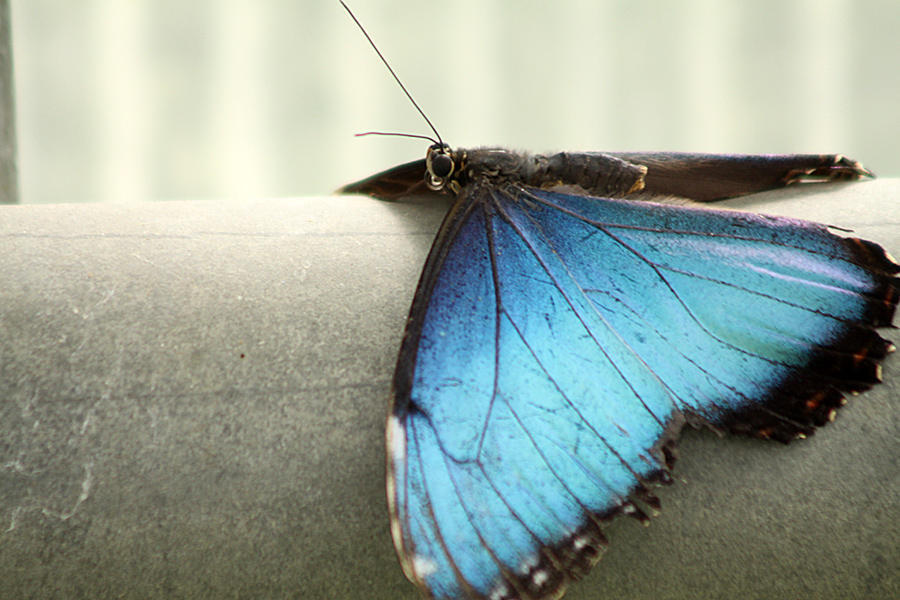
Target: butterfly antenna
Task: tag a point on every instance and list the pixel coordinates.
(397, 79)
(409, 135)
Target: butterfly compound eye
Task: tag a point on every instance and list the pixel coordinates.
(441, 165)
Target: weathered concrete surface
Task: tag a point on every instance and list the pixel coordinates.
(192, 399)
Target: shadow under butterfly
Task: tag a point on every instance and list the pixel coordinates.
(574, 313)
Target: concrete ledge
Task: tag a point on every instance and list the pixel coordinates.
(192, 399)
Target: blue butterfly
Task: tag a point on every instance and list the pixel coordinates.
(571, 319)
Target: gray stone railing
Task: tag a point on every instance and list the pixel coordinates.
(192, 400)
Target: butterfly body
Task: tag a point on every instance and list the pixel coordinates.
(562, 333)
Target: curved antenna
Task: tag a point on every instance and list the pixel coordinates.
(397, 79)
(409, 135)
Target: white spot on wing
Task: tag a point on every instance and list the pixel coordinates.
(528, 564)
(500, 592)
(396, 439)
(397, 534)
(423, 566)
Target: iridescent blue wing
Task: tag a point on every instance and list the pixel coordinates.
(558, 343)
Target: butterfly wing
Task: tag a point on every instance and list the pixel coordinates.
(557, 344)
(711, 177)
(403, 180)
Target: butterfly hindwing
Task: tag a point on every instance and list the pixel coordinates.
(557, 344)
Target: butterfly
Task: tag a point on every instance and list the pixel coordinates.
(575, 311)
(572, 317)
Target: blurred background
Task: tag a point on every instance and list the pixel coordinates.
(124, 100)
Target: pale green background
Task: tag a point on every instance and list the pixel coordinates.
(124, 100)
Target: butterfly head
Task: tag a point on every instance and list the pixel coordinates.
(443, 167)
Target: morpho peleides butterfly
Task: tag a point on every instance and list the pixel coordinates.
(570, 319)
